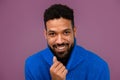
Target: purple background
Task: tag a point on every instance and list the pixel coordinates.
(21, 32)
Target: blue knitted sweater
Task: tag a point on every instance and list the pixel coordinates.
(82, 65)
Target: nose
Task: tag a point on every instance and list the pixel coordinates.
(59, 39)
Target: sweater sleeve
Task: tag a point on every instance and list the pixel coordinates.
(35, 69)
(105, 74)
(28, 75)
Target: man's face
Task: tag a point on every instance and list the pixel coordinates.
(60, 36)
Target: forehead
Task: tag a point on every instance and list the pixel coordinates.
(58, 24)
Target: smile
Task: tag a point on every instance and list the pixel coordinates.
(60, 48)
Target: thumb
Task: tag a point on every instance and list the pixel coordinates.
(54, 59)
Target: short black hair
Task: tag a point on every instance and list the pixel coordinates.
(57, 11)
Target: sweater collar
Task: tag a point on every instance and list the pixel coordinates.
(73, 61)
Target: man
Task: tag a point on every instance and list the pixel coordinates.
(63, 59)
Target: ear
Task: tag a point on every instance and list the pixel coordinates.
(74, 31)
(45, 33)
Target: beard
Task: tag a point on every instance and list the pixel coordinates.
(62, 56)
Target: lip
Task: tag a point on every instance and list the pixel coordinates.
(60, 48)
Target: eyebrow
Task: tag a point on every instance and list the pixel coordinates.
(67, 29)
(63, 30)
(50, 31)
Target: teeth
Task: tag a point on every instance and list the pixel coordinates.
(61, 47)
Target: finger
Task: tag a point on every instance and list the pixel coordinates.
(65, 72)
(59, 68)
(55, 64)
(62, 69)
(54, 59)
(62, 73)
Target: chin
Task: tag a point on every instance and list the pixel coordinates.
(61, 54)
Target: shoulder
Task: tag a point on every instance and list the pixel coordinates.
(36, 66)
(91, 58)
(94, 65)
(35, 58)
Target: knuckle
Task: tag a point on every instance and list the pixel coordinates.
(51, 69)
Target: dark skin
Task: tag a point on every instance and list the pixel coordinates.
(58, 70)
(60, 37)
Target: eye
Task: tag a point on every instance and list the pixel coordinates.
(51, 34)
(67, 32)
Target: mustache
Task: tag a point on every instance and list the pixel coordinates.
(62, 44)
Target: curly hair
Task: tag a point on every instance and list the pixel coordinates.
(57, 11)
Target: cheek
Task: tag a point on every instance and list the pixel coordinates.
(70, 39)
(50, 41)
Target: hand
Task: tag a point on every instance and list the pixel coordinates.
(58, 70)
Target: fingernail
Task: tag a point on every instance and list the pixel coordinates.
(54, 59)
